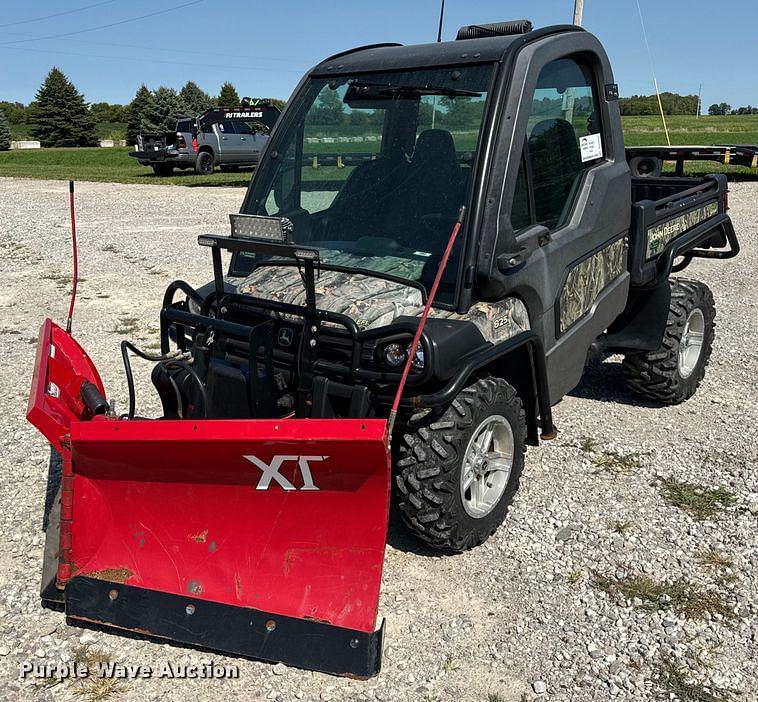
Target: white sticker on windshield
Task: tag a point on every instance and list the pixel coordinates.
(591, 147)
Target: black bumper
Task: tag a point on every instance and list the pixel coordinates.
(159, 156)
(237, 630)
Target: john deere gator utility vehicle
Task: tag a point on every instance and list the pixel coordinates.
(482, 181)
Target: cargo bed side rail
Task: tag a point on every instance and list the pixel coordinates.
(690, 224)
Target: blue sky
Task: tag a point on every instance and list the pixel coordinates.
(263, 47)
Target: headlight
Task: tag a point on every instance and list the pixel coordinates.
(418, 358)
(394, 355)
(192, 306)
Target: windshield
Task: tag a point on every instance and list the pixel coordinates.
(372, 169)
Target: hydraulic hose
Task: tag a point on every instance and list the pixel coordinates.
(174, 356)
(186, 366)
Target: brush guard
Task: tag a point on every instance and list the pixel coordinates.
(262, 538)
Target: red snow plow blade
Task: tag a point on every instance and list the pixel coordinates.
(263, 538)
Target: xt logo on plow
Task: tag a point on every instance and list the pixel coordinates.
(270, 471)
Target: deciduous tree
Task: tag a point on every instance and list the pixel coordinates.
(720, 108)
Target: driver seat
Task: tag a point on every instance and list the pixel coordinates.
(435, 186)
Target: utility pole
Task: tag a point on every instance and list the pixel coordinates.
(578, 11)
(569, 96)
(699, 100)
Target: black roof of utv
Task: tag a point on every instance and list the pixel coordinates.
(388, 57)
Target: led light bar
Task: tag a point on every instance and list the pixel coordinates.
(257, 227)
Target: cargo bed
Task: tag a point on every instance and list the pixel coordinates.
(677, 217)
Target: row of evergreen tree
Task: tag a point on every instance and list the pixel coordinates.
(158, 110)
(59, 116)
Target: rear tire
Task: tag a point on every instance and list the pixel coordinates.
(163, 169)
(672, 373)
(437, 459)
(205, 163)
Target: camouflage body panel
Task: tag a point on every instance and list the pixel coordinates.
(371, 302)
(497, 321)
(374, 302)
(661, 234)
(587, 279)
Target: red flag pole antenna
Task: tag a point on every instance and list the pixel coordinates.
(76, 255)
(424, 315)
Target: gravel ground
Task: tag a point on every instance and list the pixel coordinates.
(522, 617)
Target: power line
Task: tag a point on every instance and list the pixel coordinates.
(58, 14)
(149, 60)
(165, 50)
(652, 70)
(105, 26)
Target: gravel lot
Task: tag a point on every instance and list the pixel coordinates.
(523, 617)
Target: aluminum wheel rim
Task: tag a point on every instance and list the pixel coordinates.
(691, 344)
(487, 466)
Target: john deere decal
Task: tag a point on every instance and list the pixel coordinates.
(660, 235)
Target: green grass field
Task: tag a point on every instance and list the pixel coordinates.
(103, 165)
(731, 129)
(114, 165)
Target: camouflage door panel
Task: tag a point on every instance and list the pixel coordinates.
(587, 279)
(374, 302)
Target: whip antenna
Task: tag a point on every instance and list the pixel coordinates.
(422, 322)
(75, 253)
(652, 70)
(442, 17)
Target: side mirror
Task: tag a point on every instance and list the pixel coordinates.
(533, 237)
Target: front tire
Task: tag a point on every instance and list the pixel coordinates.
(457, 474)
(672, 373)
(205, 162)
